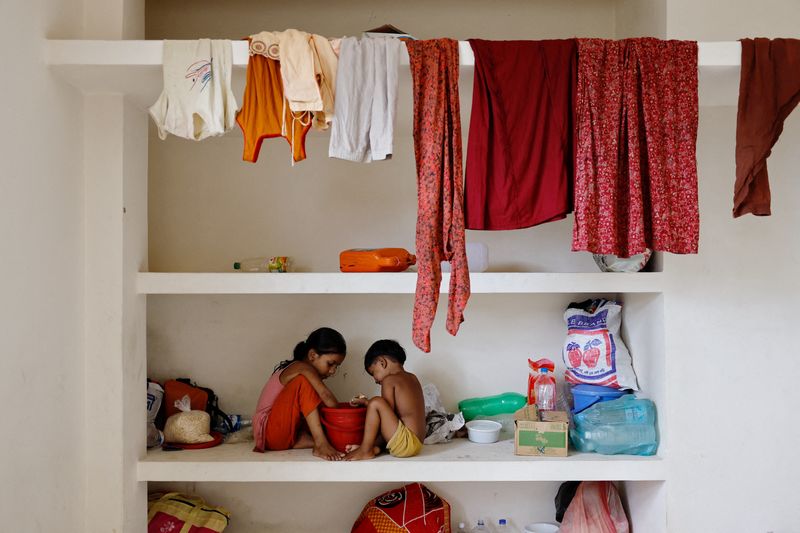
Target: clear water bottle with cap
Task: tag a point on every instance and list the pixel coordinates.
(502, 526)
(481, 526)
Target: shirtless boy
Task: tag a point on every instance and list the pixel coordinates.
(398, 414)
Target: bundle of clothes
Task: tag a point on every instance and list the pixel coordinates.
(604, 129)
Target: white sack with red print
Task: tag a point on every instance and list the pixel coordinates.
(594, 352)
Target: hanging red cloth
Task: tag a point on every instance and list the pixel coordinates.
(769, 89)
(519, 153)
(440, 216)
(636, 134)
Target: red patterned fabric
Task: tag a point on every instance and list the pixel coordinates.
(440, 216)
(410, 509)
(636, 131)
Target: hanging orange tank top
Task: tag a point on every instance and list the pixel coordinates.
(264, 113)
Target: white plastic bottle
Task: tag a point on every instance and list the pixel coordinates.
(462, 528)
(481, 526)
(262, 264)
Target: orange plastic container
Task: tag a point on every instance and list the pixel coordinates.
(375, 260)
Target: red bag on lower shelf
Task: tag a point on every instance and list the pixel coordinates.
(596, 508)
(413, 508)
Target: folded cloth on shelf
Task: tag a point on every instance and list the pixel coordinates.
(440, 215)
(366, 99)
(197, 101)
(769, 89)
(519, 153)
(636, 133)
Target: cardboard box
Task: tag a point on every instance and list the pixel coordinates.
(543, 433)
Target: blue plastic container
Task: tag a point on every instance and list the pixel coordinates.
(585, 396)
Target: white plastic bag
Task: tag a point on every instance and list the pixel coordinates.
(594, 352)
(188, 427)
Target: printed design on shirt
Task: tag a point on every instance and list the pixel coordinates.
(199, 71)
(270, 50)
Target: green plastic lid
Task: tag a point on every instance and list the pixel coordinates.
(237, 266)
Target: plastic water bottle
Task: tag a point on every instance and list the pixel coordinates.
(626, 425)
(624, 410)
(502, 526)
(481, 526)
(262, 264)
(632, 439)
(508, 402)
(477, 258)
(545, 390)
(462, 528)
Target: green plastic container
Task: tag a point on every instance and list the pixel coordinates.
(508, 402)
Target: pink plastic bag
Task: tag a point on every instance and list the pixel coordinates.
(596, 508)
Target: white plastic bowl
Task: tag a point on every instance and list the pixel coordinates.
(542, 527)
(483, 431)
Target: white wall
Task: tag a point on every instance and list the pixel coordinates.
(640, 18)
(731, 20)
(729, 313)
(41, 309)
(730, 316)
(458, 19)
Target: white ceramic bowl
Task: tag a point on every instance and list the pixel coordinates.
(542, 527)
(483, 431)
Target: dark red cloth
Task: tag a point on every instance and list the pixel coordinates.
(440, 216)
(636, 135)
(769, 89)
(519, 153)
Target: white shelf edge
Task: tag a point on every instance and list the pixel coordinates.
(392, 283)
(461, 462)
(149, 53)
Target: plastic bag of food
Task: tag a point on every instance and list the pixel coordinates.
(187, 426)
(594, 352)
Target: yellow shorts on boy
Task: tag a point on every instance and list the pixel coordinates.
(404, 443)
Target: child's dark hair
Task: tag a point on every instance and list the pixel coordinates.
(322, 341)
(387, 348)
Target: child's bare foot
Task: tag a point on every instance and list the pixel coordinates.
(327, 452)
(359, 453)
(350, 447)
